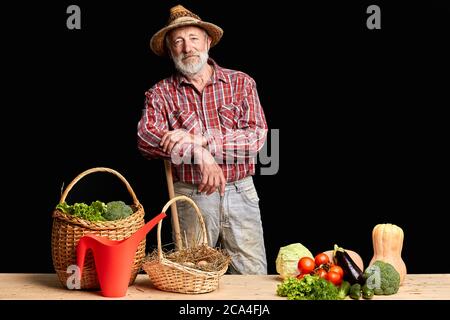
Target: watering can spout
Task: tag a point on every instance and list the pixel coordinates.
(113, 259)
(139, 235)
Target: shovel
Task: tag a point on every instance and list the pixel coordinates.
(173, 207)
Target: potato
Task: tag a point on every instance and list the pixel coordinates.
(355, 257)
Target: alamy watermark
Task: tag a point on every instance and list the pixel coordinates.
(74, 19)
(237, 147)
(74, 280)
(374, 280)
(374, 20)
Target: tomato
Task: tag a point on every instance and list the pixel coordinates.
(306, 265)
(334, 277)
(322, 273)
(337, 269)
(321, 258)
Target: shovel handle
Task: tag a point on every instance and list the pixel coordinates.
(173, 207)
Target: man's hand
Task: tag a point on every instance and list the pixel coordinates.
(179, 137)
(212, 174)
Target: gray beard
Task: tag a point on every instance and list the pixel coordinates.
(190, 69)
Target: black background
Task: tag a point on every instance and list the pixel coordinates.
(361, 115)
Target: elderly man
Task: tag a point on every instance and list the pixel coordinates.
(209, 123)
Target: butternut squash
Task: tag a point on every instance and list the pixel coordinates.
(387, 246)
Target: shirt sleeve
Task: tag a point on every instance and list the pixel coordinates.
(244, 142)
(152, 127)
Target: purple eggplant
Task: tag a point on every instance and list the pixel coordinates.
(352, 273)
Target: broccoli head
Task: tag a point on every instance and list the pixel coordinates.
(116, 210)
(383, 278)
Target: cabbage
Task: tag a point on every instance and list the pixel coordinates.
(288, 257)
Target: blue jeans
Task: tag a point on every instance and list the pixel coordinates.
(233, 222)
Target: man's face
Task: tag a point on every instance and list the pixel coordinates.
(189, 49)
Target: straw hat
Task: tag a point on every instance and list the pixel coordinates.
(181, 17)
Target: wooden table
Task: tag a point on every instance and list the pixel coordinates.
(23, 286)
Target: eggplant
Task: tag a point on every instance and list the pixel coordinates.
(352, 273)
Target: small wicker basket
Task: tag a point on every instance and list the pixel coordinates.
(67, 231)
(171, 276)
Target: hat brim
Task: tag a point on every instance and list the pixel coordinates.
(157, 41)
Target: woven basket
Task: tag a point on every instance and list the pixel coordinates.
(170, 276)
(67, 231)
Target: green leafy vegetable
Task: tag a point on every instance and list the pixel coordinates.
(288, 257)
(64, 207)
(97, 211)
(93, 212)
(308, 288)
(99, 207)
(117, 210)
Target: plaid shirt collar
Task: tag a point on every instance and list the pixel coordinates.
(218, 74)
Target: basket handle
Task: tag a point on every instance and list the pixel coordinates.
(199, 215)
(99, 169)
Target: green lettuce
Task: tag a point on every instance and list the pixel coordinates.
(93, 212)
(287, 259)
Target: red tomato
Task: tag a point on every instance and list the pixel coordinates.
(306, 265)
(322, 273)
(337, 269)
(334, 277)
(321, 258)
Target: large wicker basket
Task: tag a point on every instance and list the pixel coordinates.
(171, 276)
(67, 231)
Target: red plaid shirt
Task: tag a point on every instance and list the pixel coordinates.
(227, 113)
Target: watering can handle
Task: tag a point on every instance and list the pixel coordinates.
(173, 207)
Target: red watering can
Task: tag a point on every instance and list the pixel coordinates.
(113, 259)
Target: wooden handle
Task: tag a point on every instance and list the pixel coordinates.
(199, 216)
(173, 208)
(99, 169)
